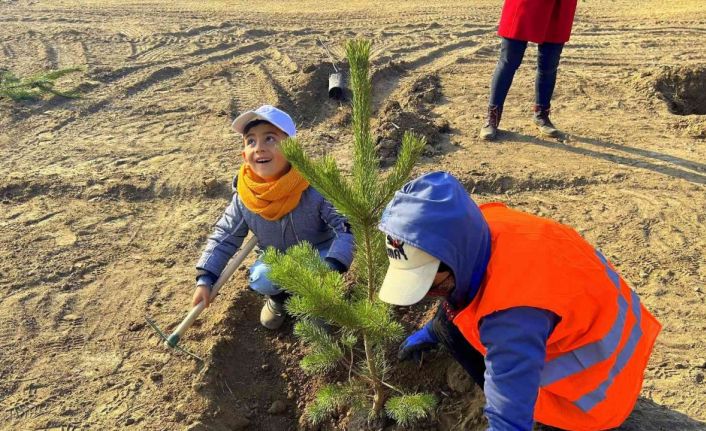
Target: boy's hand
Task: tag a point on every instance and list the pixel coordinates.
(202, 293)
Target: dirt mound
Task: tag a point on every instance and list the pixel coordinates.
(693, 127)
(683, 89)
(425, 90)
(410, 110)
(309, 89)
(302, 91)
(489, 183)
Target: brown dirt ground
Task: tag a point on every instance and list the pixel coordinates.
(105, 201)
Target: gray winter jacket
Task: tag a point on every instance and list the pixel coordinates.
(314, 220)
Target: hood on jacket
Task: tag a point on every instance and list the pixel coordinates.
(435, 214)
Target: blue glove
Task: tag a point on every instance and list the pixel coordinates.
(419, 342)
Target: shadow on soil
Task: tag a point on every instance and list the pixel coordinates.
(246, 380)
(644, 153)
(671, 171)
(650, 416)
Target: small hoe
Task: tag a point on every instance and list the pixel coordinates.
(172, 340)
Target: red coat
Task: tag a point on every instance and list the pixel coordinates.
(537, 21)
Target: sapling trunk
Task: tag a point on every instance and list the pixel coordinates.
(379, 390)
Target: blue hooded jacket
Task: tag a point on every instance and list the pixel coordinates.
(435, 213)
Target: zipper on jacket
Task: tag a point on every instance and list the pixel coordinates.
(283, 225)
(291, 221)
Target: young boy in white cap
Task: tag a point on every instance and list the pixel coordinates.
(273, 200)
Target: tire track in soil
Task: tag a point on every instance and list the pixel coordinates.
(251, 87)
(132, 85)
(38, 392)
(51, 54)
(153, 52)
(71, 55)
(7, 51)
(110, 326)
(394, 75)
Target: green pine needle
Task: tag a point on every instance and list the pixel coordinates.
(319, 293)
(321, 361)
(326, 352)
(326, 178)
(36, 86)
(377, 321)
(331, 398)
(349, 339)
(407, 409)
(410, 151)
(366, 162)
(312, 333)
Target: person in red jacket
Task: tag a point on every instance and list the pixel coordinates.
(548, 24)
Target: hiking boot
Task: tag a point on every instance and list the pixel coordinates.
(272, 314)
(543, 123)
(490, 131)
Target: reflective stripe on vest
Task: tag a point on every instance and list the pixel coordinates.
(588, 401)
(584, 357)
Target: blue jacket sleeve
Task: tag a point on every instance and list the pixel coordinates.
(205, 279)
(342, 246)
(515, 340)
(226, 239)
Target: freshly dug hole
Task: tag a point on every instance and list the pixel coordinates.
(683, 89)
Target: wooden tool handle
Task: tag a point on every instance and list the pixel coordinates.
(234, 263)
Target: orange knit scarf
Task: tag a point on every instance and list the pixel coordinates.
(270, 199)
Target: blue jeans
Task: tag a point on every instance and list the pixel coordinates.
(260, 283)
(511, 54)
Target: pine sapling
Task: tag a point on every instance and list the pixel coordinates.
(359, 326)
(35, 86)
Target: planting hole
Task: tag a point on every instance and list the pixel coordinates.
(683, 89)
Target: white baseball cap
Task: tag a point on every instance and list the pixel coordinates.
(410, 274)
(276, 117)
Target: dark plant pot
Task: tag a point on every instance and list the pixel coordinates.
(335, 85)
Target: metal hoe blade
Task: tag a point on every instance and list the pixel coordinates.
(161, 334)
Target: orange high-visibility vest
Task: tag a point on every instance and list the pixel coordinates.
(597, 353)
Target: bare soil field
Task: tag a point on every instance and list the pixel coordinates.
(106, 200)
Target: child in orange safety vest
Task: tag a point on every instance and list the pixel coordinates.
(538, 317)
